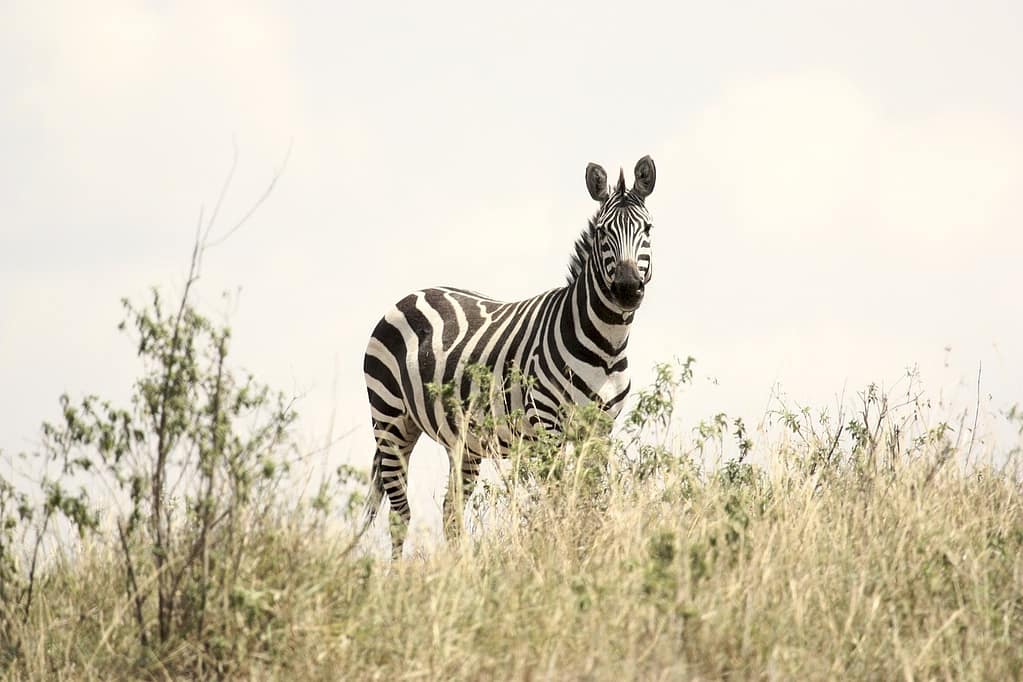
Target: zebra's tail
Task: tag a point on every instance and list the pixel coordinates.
(375, 497)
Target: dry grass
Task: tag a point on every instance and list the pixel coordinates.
(855, 571)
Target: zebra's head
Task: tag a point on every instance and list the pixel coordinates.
(619, 234)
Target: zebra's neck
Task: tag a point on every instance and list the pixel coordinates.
(591, 326)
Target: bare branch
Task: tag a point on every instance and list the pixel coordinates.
(223, 189)
(255, 206)
(32, 568)
(976, 415)
(133, 588)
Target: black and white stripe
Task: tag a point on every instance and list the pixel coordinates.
(568, 344)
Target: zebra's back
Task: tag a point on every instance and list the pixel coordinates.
(426, 341)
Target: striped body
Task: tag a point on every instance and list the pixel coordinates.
(563, 347)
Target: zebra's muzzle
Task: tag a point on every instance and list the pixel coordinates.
(627, 286)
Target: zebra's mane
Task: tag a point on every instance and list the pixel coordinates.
(583, 247)
(584, 243)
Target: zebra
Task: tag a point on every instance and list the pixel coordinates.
(566, 346)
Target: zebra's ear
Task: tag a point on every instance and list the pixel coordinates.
(646, 175)
(596, 182)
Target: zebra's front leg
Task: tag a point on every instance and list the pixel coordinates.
(463, 473)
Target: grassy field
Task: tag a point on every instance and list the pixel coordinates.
(861, 558)
(869, 545)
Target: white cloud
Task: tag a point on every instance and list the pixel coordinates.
(810, 156)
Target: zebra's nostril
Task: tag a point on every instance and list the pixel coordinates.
(628, 291)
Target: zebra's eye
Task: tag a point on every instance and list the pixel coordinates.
(646, 229)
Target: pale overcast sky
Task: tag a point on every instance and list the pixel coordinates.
(839, 191)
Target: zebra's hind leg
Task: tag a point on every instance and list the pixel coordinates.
(395, 440)
(460, 487)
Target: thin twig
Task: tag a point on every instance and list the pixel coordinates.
(328, 445)
(976, 415)
(133, 587)
(259, 202)
(223, 189)
(834, 442)
(32, 568)
(115, 622)
(195, 549)
(218, 451)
